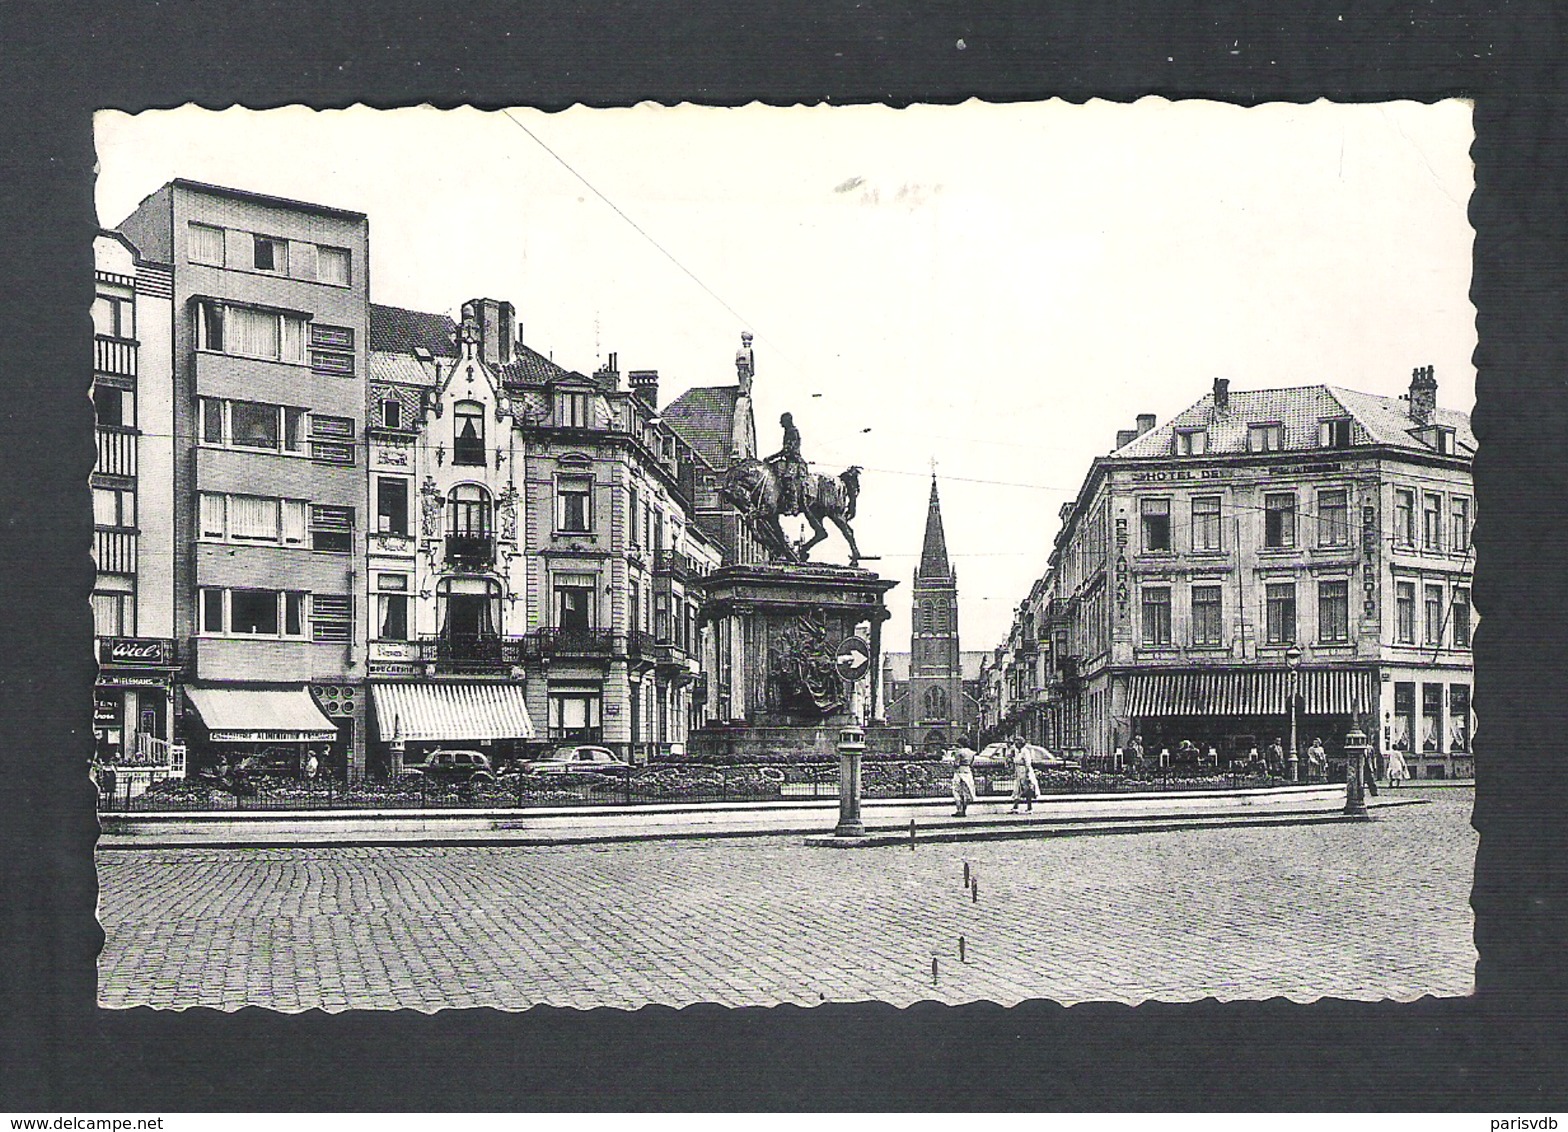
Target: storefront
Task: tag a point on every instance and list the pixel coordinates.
(1233, 710)
(1427, 716)
(132, 698)
(278, 727)
(415, 717)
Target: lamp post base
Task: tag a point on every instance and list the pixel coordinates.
(849, 823)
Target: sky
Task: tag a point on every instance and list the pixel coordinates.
(995, 288)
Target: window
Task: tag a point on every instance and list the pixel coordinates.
(270, 254)
(250, 332)
(332, 350)
(113, 615)
(1431, 717)
(114, 407)
(572, 410)
(1434, 615)
(254, 612)
(332, 528)
(1334, 612)
(391, 506)
(1265, 437)
(205, 245)
(1157, 616)
(251, 519)
(1461, 617)
(254, 425)
(332, 266)
(468, 439)
(114, 507)
(332, 618)
(1279, 521)
(1333, 518)
(574, 601)
(1206, 615)
(1459, 534)
(1404, 517)
(391, 414)
(468, 511)
(1459, 717)
(211, 420)
(1206, 523)
(1405, 613)
(1432, 523)
(114, 316)
(574, 715)
(1334, 433)
(1156, 517)
(933, 705)
(392, 607)
(573, 509)
(1192, 442)
(1402, 726)
(1280, 612)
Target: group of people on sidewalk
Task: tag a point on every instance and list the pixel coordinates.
(1026, 784)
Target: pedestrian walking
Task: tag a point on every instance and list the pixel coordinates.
(1397, 770)
(1276, 758)
(312, 767)
(108, 781)
(1135, 756)
(1317, 762)
(963, 780)
(1026, 786)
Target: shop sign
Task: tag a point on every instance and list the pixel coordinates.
(146, 652)
(1305, 469)
(118, 681)
(1176, 475)
(273, 736)
(106, 712)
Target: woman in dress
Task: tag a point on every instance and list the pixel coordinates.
(1397, 770)
(963, 780)
(1026, 787)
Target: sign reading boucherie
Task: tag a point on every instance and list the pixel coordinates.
(154, 652)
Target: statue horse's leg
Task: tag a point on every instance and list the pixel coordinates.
(849, 536)
(818, 532)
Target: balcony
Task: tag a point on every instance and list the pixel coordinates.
(674, 564)
(641, 644)
(470, 552)
(115, 356)
(558, 641)
(116, 451)
(1028, 645)
(465, 655)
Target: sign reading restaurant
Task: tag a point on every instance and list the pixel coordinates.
(146, 652)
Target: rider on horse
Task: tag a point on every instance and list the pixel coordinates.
(791, 468)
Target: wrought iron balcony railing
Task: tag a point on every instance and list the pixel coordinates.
(474, 552)
(558, 641)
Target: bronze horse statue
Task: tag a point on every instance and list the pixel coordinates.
(754, 487)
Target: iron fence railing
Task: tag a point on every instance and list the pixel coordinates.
(628, 786)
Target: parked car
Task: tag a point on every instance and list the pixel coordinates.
(565, 760)
(454, 767)
(998, 757)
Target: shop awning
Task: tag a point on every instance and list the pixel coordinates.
(424, 712)
(250, 715)
(1244, 692)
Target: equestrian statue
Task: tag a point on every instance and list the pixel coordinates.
(768, 489)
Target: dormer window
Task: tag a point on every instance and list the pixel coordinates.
(571, 409)
(1192, 441)
(391, 414)
(1439, 438)
(1334, 433)
(1268, 437)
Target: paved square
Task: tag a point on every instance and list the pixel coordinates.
(1364, 910)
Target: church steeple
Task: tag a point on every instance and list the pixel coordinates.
(933, 552)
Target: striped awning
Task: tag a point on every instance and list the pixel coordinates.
(1248, 692)
(422, 712)
(261, 715)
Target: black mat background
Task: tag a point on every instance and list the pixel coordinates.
(1499, 1051)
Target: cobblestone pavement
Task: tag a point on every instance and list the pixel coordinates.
(1367, 910)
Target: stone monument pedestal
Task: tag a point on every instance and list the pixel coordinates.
(778, 629)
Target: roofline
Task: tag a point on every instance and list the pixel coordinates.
(267, 199)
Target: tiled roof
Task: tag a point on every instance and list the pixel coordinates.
(705, 417)
(404, 369)
(897, 664)
(1375, 420)
(530, 367)
(396, 330)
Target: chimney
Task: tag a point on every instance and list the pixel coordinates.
(497, 322)
(645, 387)
(1221, 395)
(745, 364)
(1145, 423)
(608, 376)
(1125, 436)
(1423, 395)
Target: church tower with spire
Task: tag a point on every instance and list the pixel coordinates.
(934, 701)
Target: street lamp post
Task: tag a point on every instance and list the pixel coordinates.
(851, 745)
(1293, 759)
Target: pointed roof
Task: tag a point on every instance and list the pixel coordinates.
(933, 551)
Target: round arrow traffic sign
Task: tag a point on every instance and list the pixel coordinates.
(851, 659)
